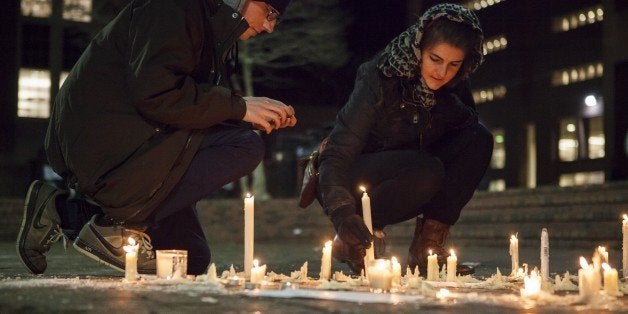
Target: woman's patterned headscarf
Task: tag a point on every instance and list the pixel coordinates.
(402, 56)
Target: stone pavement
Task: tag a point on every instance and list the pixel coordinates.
(99, 289)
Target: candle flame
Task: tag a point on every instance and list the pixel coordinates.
(131, 241)
(601, 249)
(328, 244)
(583, 262)
(255, 263)
(513, 238)
(362, 188)
(625, 218)
(248, 195)
(394, 260)
(381, 264)
(451, 252)
(430, 251)
(606, 267)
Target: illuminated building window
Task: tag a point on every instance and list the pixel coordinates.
(497, 185)
(581, 178)
(489, 94)
(74, 10)
(480, 4)
(34, 94)
(577, 19)
(595, 138)
(36, 8)
(576, 74)
(568, 140)
(494, 44)
(77, 10)
(498, 160)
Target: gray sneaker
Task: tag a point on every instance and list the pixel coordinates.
(105, 245)
(40, 226)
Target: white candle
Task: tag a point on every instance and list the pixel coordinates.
(396, 271)
(380, 275)
(249, 223)
(611, 280)
(130, 265)
(603, 253)
(452, 262)
(625, 245)
(211, 272)
(514, 254)
(532, 285)
(368, 221)
(257, 272)
(432, 267)
(588, 280)
(326, 262)
(544, 254)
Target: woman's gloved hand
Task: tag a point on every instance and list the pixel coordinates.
(351, 228)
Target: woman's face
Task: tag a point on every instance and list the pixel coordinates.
(440, 64)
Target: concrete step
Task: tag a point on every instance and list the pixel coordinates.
(575, 217)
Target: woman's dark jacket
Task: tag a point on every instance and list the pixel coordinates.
(130, 117)
(376, 119)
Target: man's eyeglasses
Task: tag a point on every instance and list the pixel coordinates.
(272, 14)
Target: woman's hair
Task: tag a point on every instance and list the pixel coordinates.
(459, 35)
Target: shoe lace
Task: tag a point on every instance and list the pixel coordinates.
(146, 246)
(57, 234)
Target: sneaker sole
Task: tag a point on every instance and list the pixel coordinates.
(33, 190)
(86, 249)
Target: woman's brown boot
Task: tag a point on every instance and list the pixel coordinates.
(429, 235)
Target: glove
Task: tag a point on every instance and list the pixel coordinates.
(351, 228)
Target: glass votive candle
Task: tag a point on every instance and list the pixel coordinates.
(379, 274)
(172, 264)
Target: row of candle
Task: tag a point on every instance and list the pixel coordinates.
(589, 279)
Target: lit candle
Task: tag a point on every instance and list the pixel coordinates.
(380, 275)
(326, 262)
(611, 280)
(257, 272)
(532, 285)
(625, 245)
(588, 280)
(396, 271)
(432, 267)
(130, 265)
(249, 220)
(514, 253)
(366, 214)
(544, 254)
(452, 262)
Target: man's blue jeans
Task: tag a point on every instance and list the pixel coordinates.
(226, 154)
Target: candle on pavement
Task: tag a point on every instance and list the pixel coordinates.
(452, 265)
(326, 261)
(130, 265)
(249, 231)
(514, 254)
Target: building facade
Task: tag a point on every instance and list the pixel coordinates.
(553, 89)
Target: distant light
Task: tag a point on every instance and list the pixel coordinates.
(571, 127)
(499, 139)
(590, 101)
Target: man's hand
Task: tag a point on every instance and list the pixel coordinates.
(267, 114)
